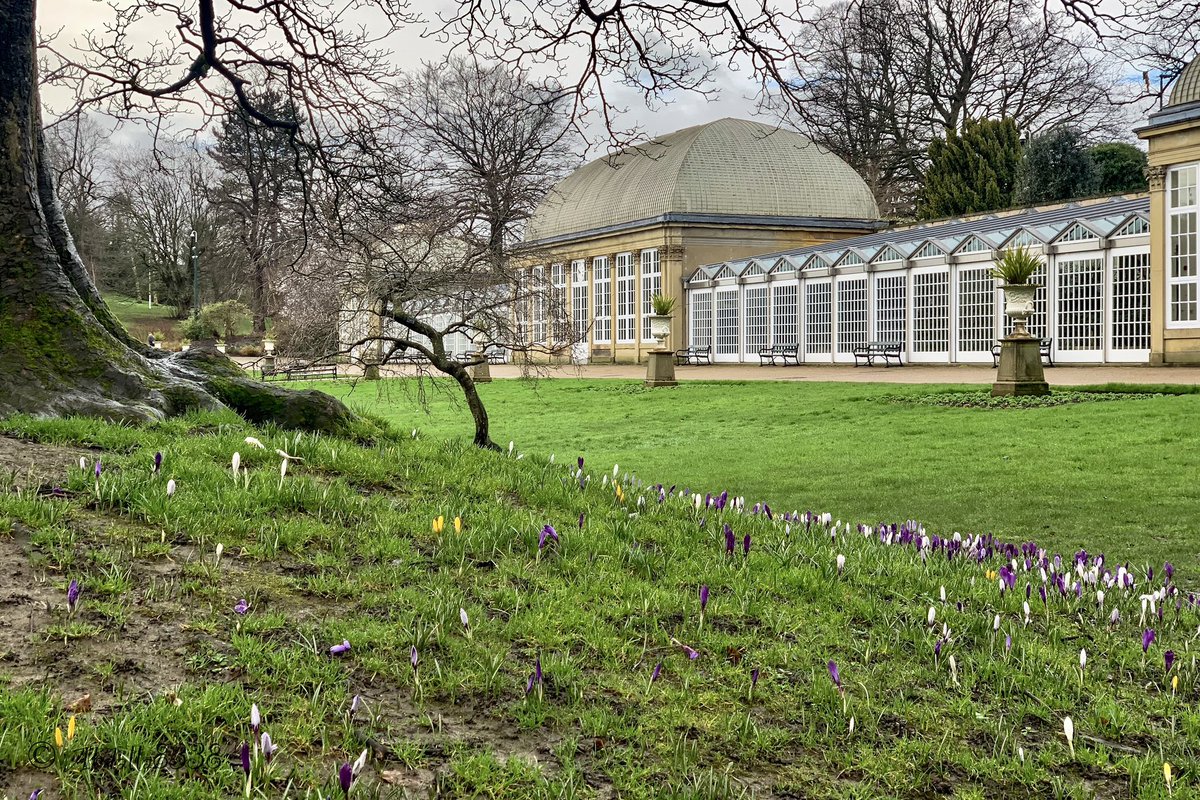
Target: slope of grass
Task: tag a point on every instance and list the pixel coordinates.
(141, 320)
(494, 659)
(1116, 476)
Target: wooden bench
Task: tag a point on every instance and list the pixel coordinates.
(865, 354)
(1045, 351)
(779, 355)
(694, 355)
(292, 371)
(497, 356)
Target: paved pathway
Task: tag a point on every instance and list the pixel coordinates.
(910, 373)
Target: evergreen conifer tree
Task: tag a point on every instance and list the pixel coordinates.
(972, 171)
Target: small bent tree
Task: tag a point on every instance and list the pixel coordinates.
(428, 295)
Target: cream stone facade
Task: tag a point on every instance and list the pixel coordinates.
(1173, 139)
(619, 230)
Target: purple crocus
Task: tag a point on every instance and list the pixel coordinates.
(355, 704)
(937, 647)
(703, 598)
(1147, 639)
(267, 746)
(657, 672)
(1007, 643)
(833, 673)
(1169, 659)
(413, 657)
(579, 461)
(691, 652)
(754, 673)
(72, 596)
(1168, 570)
(746, 545)
(730, 541)
(157, 462)
(36, 794)
(255, 718)
(241, 607)
(535, 677)
(98, 469)
(346, 777)
(582, 518)
(338, 649)
(246, 758)
(548, 532)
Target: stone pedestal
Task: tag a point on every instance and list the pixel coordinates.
(660, 368)
(481, 372)
(268, 363)
(1020, 371)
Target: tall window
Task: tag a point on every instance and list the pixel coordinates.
(625, 303)
(931, 312)
(727, 322)
(560, 330)
(1080, 306)
(1036, 324)
(1182, 274)
(702, 319)
(758, 319)
(538, 304)
(783, 328)
(602, 300)
(651, 285)
(579, 299)
(976, 310)
(891, 308)
(851, 314)
(1131, 302)
(818, 317)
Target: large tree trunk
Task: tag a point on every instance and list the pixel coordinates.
(61, 350)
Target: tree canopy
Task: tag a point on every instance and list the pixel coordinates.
(973, 171)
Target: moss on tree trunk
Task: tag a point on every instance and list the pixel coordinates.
(61, 350)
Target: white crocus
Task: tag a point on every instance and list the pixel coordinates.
(1069, 732)
(931, 616)
(220, 549)
(170, 487)
(237, 462)
(253, 442)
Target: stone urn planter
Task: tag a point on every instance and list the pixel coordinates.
(1018, 304)
(660, 327)
(220, 347)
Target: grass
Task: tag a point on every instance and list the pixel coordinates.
(1116, 476)
(343, 547)
(141, 321)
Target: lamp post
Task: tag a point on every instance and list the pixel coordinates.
(195, 275)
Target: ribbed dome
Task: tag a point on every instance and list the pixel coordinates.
(731, 167)
(1187, 85)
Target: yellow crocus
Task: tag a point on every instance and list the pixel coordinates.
(71, 728)
(1167, 776)
(58, 738)
(458, 524)
(1174, 683)
(439, 524)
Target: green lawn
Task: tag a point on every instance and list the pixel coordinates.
(1118, 477)
(140, 320)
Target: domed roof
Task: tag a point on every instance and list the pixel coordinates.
(1187, 85)
(731, 168)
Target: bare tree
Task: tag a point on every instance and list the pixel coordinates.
(484, 146)
(162, 200)
(891, 75)
(260, 195)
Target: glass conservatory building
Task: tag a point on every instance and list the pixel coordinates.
(929, 287)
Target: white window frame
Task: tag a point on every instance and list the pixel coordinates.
(601, 301)
(844, 325)
(756, 335)
(813, 287)
(1064, 310)
(701, 318)
(785, 313)
(727, 351)
(1177, 205)
(651, 285)
(626, 298)
(1113, 353)
(929, 356)
(580, 317)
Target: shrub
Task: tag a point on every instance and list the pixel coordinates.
(1016, 266)
(224, 317)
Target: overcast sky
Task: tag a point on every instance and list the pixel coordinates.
(72, 18)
